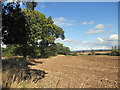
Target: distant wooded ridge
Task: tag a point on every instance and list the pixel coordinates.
(91, 49)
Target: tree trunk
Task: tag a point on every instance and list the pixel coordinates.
(25, 57)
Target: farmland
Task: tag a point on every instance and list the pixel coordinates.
(45, 49)
(80, 72)
(75, 72)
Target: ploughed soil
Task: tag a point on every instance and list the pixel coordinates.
(78, 71)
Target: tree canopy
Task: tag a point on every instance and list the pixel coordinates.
(24, 28)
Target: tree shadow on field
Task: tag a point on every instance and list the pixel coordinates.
(17, 70)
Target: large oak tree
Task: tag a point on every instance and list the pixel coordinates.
(24, 28)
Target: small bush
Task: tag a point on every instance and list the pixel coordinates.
(92, 52)
(89, 54)
(115, 51)
(98, 54)
(74, 54)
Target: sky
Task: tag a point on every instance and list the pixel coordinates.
(87, 25)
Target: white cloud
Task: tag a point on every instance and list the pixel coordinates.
(99, 26)
(58, 39)
(68, 41)
(91, 22)
(81, 48)
(84, 22)
(97, 29)
(101, 47)
(100, 40)
(42, 6)
(62, 21)
(100, 43)
(84, 42)
(108, 32)
(110, 26)
(57, 22)
(94, 31)
(112, 40)
(113, 37)
(71, 21)
(69, 24)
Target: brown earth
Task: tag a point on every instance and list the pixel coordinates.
(79, 72)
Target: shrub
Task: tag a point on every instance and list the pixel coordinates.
(89, 54)
(62, 49)
(92, 52)
(74, 54)
(115, 52)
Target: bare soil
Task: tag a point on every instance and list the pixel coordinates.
(78, 72)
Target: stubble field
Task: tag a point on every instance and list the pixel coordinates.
(78, 72)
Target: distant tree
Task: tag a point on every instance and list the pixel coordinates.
(83, 51)
(115, 52)
(115, 47)
(74, 54)
(92, 52)
(118, 47)
(112, 48)
(62, 49)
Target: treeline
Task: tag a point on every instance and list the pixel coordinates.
(29, 33)
(90, 50)
(115, 51)
(52, 50)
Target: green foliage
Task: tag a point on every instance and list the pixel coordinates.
(48, 51)
(8, 51)
(92, 52)
(74, 54)
(89, 54)
(30, 5)
(13, 22)
(62, 49)
(54, 49)
(115, 51)
(23, 29)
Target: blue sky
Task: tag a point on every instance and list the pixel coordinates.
(87, 25)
